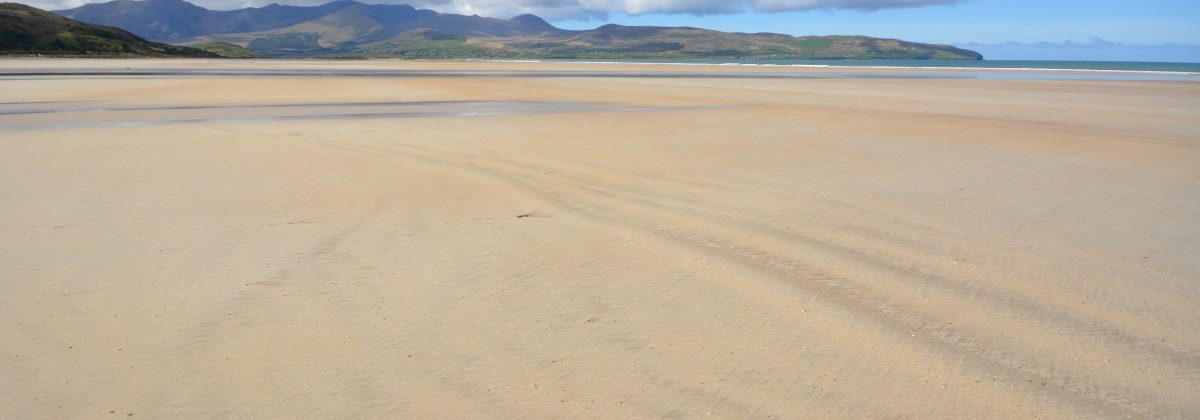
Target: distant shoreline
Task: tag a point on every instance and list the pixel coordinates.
(1193, 69)
(1015, 66)
(399, 68)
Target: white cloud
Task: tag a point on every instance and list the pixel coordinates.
(574, 9)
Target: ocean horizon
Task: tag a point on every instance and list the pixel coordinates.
(1097, 66)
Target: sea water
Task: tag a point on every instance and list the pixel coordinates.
(935, 69)
(1096, 66)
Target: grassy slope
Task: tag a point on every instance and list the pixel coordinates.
(27, 30)
(427, 43)
(227, 50)
(614, 41)
(673, 46)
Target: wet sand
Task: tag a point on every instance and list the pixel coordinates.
(320, 245)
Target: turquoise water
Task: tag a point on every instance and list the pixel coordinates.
(983, 64)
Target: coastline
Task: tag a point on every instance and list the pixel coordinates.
(47, 63)
(882, 65)
(53, 67)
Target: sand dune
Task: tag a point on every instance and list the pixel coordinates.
(514, 247)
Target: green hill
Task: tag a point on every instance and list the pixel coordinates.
(28, 30)
(347, 28)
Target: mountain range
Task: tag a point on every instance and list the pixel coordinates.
(28, 30)
(347, 28)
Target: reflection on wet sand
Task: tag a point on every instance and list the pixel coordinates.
(16, 117)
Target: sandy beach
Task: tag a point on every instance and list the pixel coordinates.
(343, 242)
